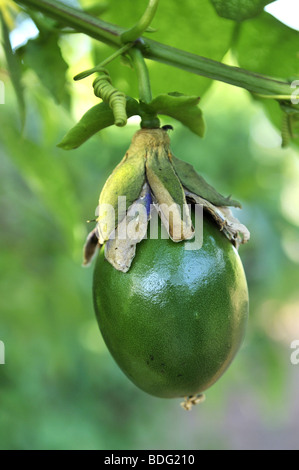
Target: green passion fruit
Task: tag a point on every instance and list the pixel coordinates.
(176, 319)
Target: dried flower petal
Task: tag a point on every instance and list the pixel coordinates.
(91, 247)
(236, 232)
(120, 249)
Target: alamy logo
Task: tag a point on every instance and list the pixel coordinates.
(295, 94)
(2, 93)
(295, 354)
(2, 353)
(176, 222)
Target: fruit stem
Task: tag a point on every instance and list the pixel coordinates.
(145, 92)
(148, 120)
(192, 401)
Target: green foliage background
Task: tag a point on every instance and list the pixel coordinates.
(60, 388)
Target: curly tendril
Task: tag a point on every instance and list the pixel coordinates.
(116, 99)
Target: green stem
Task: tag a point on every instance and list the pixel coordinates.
(105, 62)
(275, 97)
(149, 120)
(142, 25)
(198, 65)
(111, 34)
(145, 93)
(78, 19)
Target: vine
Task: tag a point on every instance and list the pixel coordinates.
(112, 35)
(131, 43)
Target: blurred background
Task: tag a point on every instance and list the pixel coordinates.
(60, 388)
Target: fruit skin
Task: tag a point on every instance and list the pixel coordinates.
(175, 321)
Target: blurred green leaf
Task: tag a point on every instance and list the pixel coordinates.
(267, 46)
(44, 56)
(290, 124)
(14, 68)
(286, 123)
(95, 8)
(239, 10)
(46, 177)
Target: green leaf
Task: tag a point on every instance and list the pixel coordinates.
(181, 107)
(94, 8)
(14, 67)
(290, 124)
(239, 10)
(284, 117)
(44, 56)
(267, 46)
(94, 120)
(190, 25)
(195, 183)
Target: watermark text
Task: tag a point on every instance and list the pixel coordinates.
(132, 224)
(295, 94)
(2, 353)
(294, 358)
